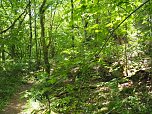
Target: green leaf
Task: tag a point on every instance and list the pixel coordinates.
(52, 80)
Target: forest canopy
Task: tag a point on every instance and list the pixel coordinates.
(86, 56)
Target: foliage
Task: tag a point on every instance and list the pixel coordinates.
(11, 79)
(87, 56)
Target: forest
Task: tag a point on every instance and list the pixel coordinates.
(75, 57)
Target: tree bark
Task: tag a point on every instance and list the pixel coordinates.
(43, 41)
(3, 53)
(35, 36)
(30, 38)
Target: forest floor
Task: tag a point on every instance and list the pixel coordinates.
(18, 103)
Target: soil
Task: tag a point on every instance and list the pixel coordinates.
(17, 104)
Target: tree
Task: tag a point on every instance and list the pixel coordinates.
(77, 45)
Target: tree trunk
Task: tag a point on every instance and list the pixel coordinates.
(3, 53)
(44, 46)
(36, 41)
(12, 51)
(30, 38)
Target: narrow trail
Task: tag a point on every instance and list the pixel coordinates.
(17, 104)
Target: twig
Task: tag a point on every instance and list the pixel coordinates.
(12, 25)
(111, 34)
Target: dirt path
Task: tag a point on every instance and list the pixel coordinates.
(17, 105)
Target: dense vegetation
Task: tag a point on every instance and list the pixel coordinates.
(10, 80)
(86, 56)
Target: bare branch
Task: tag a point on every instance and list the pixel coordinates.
(14, 22)
(111, 34)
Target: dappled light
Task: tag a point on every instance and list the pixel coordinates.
(75, 57)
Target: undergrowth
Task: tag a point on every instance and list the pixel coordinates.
(11, 77)
(91, 93)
